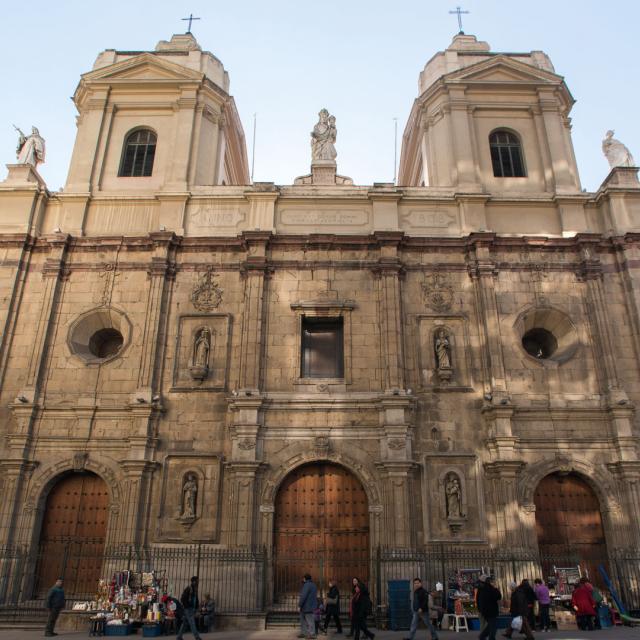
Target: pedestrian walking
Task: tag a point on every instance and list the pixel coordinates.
(361, 605)
(544, 602)
(191, 606)
(332, 607)
(584, 605)
(421, 610)
(530, 594)
(519, 607)
(488, 599)
(307, 603)
(55, 604)
(354, 583)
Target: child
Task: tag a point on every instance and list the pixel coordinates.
(318, 615)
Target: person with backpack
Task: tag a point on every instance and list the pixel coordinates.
(421, 609)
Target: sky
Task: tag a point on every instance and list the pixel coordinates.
(287, 59)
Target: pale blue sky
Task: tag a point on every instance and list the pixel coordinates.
(287, 59)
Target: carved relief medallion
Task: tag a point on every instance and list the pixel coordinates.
(438, 292)
(207, 293)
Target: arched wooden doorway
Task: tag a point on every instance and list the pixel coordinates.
(72, 536)
(321, 528)
(569, 525)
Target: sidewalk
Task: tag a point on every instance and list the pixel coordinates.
(616, 633)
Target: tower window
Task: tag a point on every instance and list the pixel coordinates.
(322, 348)
(506, 155)
(139, 152)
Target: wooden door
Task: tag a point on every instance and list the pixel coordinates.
(321, 528)
(569, 525)
(73, 534)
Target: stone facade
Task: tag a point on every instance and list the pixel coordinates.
(197, 247)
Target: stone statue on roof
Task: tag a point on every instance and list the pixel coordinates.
(323, 137)
(616, 153)
(30, 149)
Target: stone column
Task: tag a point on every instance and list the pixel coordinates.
(242, 504)
(483, 273)
(628, 477)
(400, 512)
(463, 146)
(502, 484)
(255, 270)
(620, 412)
(135, 504)
(161, 274)
(184, 120)
(389, 271)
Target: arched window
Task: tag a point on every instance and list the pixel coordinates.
(506, 155)
(138, 154)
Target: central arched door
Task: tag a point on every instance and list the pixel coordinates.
(321, 528)
(73, 535)
(569, 525)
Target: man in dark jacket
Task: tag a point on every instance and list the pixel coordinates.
(191, 604)
(332, 607)
(420, 610)
(307, 604)
(519, 607)
(488, 606)
(54, 604)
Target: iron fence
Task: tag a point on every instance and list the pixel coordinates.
(253, 580)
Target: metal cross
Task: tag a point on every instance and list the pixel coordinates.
(459, 11)
(191, 19)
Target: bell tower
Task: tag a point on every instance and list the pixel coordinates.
(495, 123)
(156, 122)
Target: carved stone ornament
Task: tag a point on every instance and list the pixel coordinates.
(80, 461)
(396, 443)
(189, 499)
(438, 292)
(453, 497)
(321, 445)
(246, 444)
(207, 293)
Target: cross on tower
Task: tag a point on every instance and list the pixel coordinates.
(190, 19)
(459, 12)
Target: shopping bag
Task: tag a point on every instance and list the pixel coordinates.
(516, 623)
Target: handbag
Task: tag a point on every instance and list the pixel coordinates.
(331, 601)
(516, 623)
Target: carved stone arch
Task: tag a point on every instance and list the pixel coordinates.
(47, 477)
(597, 478)
(274, 479)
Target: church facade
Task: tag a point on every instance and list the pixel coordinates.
(321, 370)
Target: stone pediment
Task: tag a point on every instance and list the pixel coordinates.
(503, 70)
(145, 66)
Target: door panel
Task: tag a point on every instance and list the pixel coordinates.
(321, 527)
(73, 534)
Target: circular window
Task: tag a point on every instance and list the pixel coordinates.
(105, 343)
(547, 334)
(99, 335)
(539, 343)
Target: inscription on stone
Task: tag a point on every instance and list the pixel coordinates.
(329, 218)
(430, 219)
(208, 217)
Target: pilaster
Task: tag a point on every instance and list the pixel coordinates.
(255, 271)
(390, 272)
(399, 512)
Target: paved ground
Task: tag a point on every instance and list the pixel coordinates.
(617, 633)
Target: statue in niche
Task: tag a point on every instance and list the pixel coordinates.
(323, 137)
(189, 497)
(30, 149)
(616, 153)
(453, 497)
(442, 347)
(200, 358)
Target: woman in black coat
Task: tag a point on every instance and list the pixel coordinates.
(332, 607)
(361, 607)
